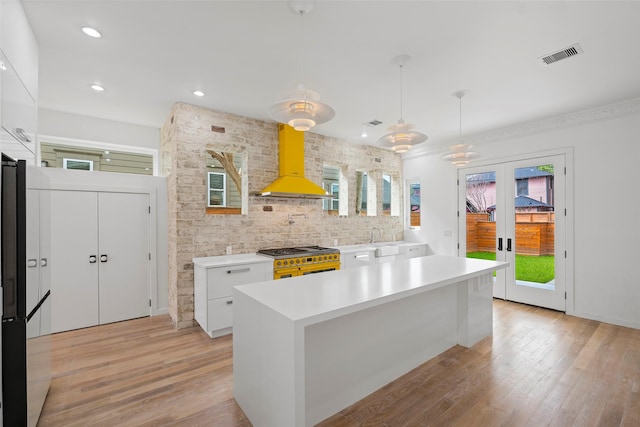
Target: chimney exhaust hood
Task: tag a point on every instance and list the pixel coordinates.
(292, 183)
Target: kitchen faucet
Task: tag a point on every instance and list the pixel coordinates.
(292, 216)
(379, 234)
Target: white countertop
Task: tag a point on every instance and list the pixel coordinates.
(361, 247)
(317, 297)
(224, 260)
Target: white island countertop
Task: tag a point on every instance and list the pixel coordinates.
(317, 297)
(307, 347)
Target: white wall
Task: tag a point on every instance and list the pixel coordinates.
(606, 214)
(74, 126)
(52, 178)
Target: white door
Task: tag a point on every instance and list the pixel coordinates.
(124, 256)
(515, 212)
(73, 266)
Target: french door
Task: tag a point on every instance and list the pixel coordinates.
(515, 212)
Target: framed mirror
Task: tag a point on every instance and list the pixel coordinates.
(365, 195)
(390, 195)
(331, 184)
(226, 182)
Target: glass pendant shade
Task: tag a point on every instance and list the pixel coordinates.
(460, 155)
(402, 137)
(302, 112)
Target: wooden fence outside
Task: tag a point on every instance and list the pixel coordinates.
(534, 233)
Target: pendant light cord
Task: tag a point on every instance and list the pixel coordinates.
(401, 115)
(302, 47)
(460, 120)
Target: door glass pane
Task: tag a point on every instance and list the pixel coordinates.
(481, 215)
(414, 204)
(535, 226)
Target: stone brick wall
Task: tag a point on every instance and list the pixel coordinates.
(185, 137)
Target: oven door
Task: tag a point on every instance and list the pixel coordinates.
(283, 273)
(319, 268)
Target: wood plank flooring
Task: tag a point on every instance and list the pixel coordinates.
(540, 368)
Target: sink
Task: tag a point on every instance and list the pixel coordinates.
(387, 250)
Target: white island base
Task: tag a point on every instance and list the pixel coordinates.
(305, 348)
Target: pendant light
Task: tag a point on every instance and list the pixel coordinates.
(303, 110)
(460, 154)
(402, 137)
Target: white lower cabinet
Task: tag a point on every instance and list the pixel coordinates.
(414, 250)
(357, 258)
(214, 279)
(99, 262)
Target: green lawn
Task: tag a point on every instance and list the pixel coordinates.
(539, 269)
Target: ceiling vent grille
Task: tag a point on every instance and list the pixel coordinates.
(562, 54)
(373, 122)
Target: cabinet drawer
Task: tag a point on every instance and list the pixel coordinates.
(416, 251)
(357, 259)
(220, 280)
(219, 313)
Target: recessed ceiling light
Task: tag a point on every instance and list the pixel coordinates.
(97, 87)
(106, 152)
(92, 32)
(107, 160)
(364, 134)
(198, 93)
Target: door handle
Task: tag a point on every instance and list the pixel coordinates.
(239, 270)
(103, 258)
(500, 243)
(43, 262)
(508, 245)
(92, 259)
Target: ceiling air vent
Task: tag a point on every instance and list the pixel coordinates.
(373, 122)
(562, 54)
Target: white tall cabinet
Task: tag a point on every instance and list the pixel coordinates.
(99, 266)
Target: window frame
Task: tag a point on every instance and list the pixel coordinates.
(223, 190)
(66, 160)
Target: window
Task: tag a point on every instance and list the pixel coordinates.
(217, 189)
(77, 164)
(414, 204)
(522, 187)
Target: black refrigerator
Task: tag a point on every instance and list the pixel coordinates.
(26, 358)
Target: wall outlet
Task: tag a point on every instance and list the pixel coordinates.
(447, 233)
(228, 250)
(335, 242)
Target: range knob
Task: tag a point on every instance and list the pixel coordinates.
(285, 262)
(278, 263)
(298, 261)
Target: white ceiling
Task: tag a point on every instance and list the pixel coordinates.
(245, 56)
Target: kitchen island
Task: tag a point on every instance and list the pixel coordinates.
(306, 347)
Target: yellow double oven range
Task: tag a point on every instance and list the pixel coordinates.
(302, 260)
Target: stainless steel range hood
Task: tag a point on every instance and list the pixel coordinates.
(292, 183)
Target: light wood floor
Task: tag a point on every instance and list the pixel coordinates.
(539, 368)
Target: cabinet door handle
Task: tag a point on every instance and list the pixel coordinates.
(500, 243)
(103, 258)
(31, 263)
(43, 262)
(508, 245)
(92, 259)
(229, 302)
(239, 270)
